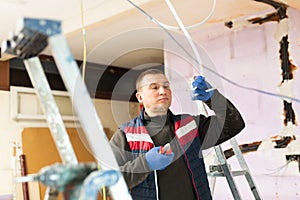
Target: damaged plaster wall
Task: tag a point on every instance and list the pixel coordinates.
(250, 58)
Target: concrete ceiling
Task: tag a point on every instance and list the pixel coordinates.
(116, 32)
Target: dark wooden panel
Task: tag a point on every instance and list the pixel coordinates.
(4, 75)
(103, 82)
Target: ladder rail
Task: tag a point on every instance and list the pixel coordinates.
(50, 108)
(55, 123)
(244, 166)
(86, 112)
(226, 172)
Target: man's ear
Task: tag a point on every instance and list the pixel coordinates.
(139, 97)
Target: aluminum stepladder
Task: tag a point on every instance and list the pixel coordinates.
(33, 36)
(225, 171)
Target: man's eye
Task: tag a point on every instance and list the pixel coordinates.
(154, 87)
(166, 86)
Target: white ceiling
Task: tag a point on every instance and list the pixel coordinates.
(116, 32)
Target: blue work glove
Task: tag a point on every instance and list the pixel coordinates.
(156, 160)
(199, 89)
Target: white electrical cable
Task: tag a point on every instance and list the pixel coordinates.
(187, 35)
(83, 39)
(206, 67)
(190, 40)
(174, 28)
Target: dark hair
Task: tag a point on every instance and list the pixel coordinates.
(144, 73)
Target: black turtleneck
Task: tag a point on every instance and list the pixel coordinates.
(174, 181)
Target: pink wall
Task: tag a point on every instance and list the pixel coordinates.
(250, 58)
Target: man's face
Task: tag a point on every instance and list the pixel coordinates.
(155, 94)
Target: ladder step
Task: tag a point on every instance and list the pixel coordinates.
(221, 174)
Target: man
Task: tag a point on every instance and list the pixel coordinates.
(154, 173)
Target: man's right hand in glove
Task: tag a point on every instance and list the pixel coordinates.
(202, 90)
(156, 160)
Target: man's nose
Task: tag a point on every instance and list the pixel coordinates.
(162, 90)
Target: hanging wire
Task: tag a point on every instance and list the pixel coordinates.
(84, 68)
(103, 193)
(174, 28)
(187, 35)
(191, 42)
(278, 169)
(83, 39)
(205, 67)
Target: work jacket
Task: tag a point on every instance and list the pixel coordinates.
(186, 132)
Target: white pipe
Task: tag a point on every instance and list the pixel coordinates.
(174, 28)
(186, 33)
